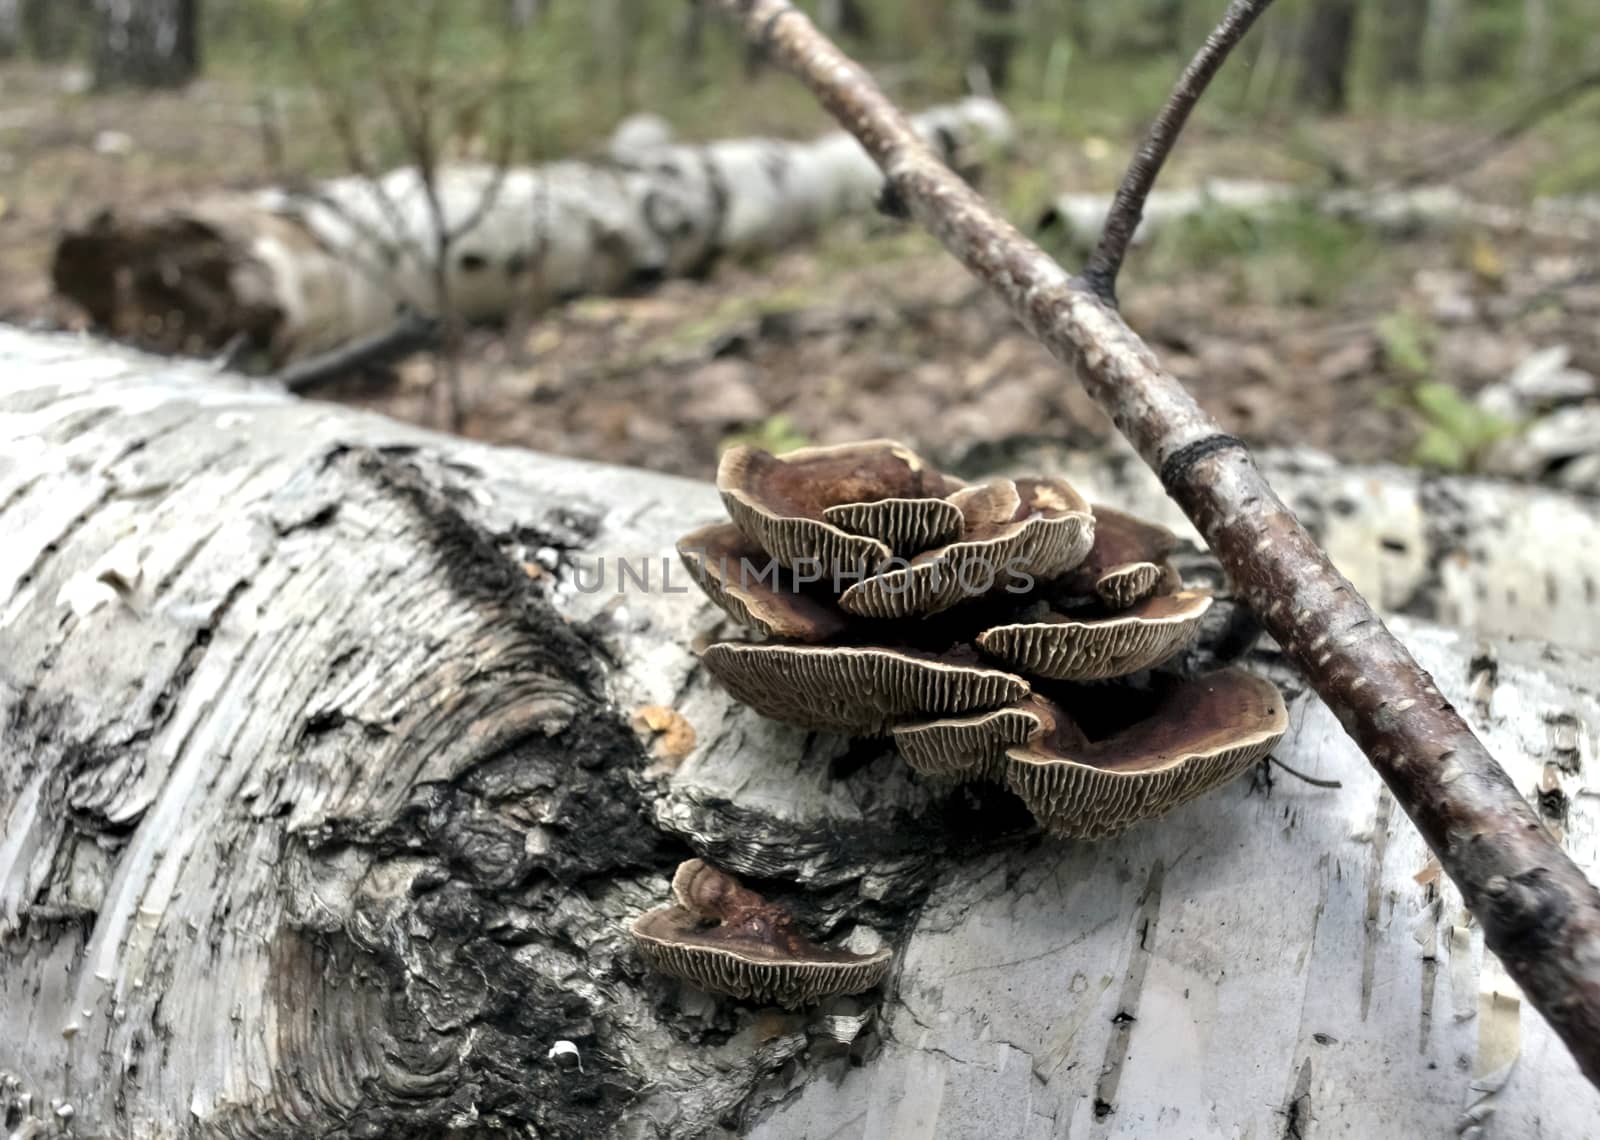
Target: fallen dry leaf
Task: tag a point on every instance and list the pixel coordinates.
(669, 736)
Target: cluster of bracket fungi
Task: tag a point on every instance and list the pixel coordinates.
(1000, 631)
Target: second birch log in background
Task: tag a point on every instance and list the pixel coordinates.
(302, 271)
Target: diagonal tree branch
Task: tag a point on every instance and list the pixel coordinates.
(1127, 208)
(1542, 107)
(1538, 912)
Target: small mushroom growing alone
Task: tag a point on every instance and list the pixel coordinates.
(966, 621)
(727, 939)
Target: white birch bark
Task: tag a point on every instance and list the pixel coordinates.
(302, 272)
(1080, 216)
(319, 814)
(1496, 558)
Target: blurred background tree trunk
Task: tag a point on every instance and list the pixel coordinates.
(1325, 51)
(1535, 56)
(1404, 32)
(1080, 25)
(146, 43)
(10, 27)
(521, 13)
(994, 39)
(846, 18)
(1168, 24)
(51, 27)
(617, 26)
(691, 37)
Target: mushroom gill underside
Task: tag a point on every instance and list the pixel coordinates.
(984, 627)
(717, 960)
(724, 938)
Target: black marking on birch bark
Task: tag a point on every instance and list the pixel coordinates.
(486, 894)
(1374, 902)
(1447, 531)
(1297, 1106)
(1430, 970)
(715, 231)
(1176, 467)
(1105, 1092)
(478, 570)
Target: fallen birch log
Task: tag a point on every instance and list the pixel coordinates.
(1492, 557)
(1077, 218)
(323, 813)
(299, 272)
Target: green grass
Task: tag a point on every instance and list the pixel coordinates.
(1453, 431)
(1288, 255)
(776, 434)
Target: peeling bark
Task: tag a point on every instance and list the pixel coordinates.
(301, 272)
(321, 817)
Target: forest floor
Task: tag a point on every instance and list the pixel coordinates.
(1289, 326)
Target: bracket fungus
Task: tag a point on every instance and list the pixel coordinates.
(727, 939)
(1098, 647)
(852, 506)
(978, 625)
(1128, 562)
(1187, 738)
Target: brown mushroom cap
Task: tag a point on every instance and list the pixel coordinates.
(1130, 583)
(749, 585)
(860, 690)
(727, 939)
(1127, 562)
(1035, 527)
(782, 502)
(1201, 733)
(973, 747)
(1065, 648)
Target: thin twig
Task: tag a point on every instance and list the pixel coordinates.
(1451, 165)
(1299, 775)
(410, 334)
(1127, 209)
(1537, 911)
(337, 106)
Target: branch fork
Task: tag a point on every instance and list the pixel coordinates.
(1538, 911)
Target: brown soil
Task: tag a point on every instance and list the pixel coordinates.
(873, 332)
